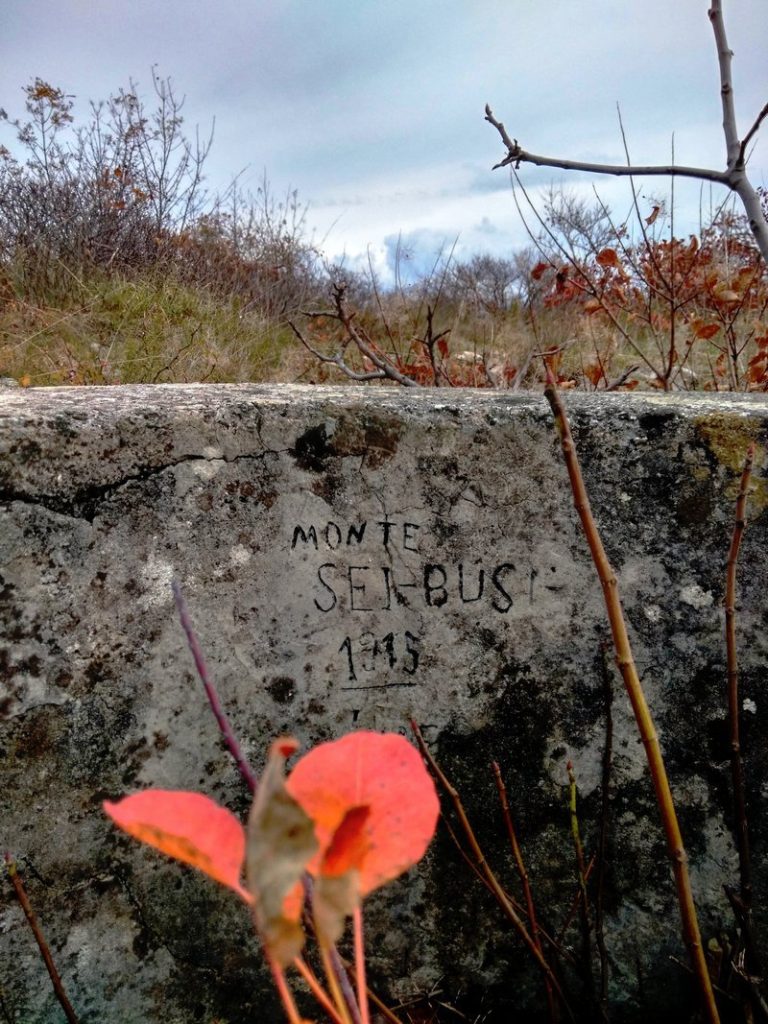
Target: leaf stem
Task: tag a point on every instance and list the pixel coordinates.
(316, 989)
(362, 988)
(286, 996)
(333, 982)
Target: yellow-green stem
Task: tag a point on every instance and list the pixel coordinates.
(317, 989)
(636, 694)
(333, 982)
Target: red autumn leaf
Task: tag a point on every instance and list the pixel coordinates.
(704, 330)
(337, 887)
(539, 271)
(350, 843)
(761, 341)
(651, 218)
(594, 373)
(608, 258)
(378, 771)
(188, 826)
(442, 347)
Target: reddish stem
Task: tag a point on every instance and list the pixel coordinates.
(26, 906)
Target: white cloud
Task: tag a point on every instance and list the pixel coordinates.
(374, 111)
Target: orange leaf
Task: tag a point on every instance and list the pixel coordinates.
(379, 771)
(188, 826)
(651, 218)
(756, 374)
(703, 330)
(608, 258)
(539, 270)
(592, 306)
(442, 347)
(350, 843)
(594, 373)
(281, 841)
(761, 341)
(337, 888)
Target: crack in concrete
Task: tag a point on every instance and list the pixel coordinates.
(86, 503)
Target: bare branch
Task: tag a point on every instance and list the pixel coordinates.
(733, 177)
(385, 368)
(751, 133)
(724, 57)
(336, 360)
(516, 155)
(364, 346)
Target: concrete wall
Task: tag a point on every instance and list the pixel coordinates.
(353, 558)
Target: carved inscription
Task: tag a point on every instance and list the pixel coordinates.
(370, 567)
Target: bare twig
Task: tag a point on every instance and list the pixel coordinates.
(336, 360)
(734, 712)
(602, 842)
(622, 379)
(385, 368)
(21, 896)
(516, 155)
(735, 150)
(636, 694)
(488, 874)
(517, 854)
(250, 778)
(751, 133)
(733, 177)
(222, 721)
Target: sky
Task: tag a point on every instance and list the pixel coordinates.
(373, 109)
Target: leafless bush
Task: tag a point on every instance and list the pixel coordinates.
(125, 192)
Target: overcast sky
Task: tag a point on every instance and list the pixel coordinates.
(373, 109)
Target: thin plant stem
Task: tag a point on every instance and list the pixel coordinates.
(575, 902)
(584, 913)
(491, 879)
(362, 988)
(336, 962)
(247, 773)
(225, 728)
(383, 1009)
(737, 763)
(286, 996)
(576, 835)
(602, 843)
(316, 988)
(636, 694)
(517, 854)
(21, 895)
(333, 981)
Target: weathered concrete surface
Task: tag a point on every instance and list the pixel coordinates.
(353, 558)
